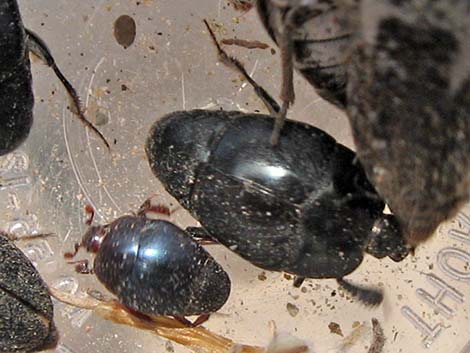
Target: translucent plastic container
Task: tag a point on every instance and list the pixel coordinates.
(172, 65)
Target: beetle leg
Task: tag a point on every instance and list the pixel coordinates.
(287, 96)
(367, 296)
(230, 61)
(298, 281)
(70, 255)
(90, 211)
(148, 207)
(14, 237)
(37, 46)
(82, 266)
(200, 235)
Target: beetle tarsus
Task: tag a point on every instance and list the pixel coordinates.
(367, 296)
(37, 46)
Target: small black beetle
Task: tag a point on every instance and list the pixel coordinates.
(155, 268)
(304, 207)
(26, 311)
(16, 93)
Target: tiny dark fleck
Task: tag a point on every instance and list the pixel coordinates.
(124, 87)
(292, 309)
(335, 328)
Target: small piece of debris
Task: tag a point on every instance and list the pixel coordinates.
(249, 44)
(335, 328)
(242, 5)
(169, 347)
(124, 31)
(378, 338)
(292, 309)
(262, 276)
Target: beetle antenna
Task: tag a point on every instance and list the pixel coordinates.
(368, 296)
(37, 46)
(234, 63)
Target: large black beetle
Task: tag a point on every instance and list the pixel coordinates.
(304, 207)
(26, 311)
(16, 92)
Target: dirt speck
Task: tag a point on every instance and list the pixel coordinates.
(292, 309)
(169, 347)
(378, 339)
(335, 328)
(262, 276)
(125, 30)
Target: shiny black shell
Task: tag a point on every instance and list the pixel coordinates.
(155, 268)
(303, 207)
(16, 93)
(26, 311)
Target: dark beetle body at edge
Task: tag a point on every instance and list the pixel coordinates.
(26, 311)
(155, 268)
(304, 207)
(320, 34)
(16, 92)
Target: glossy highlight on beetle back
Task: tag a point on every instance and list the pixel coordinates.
(155, 268)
